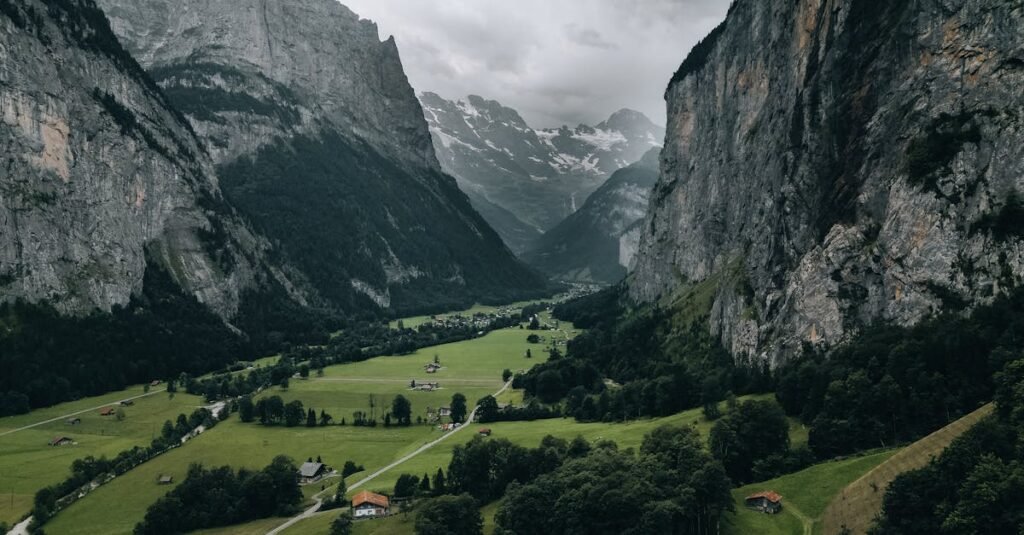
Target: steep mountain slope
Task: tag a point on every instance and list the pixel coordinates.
(594, 244)
(831, 163)
(120, 260)
(322, 144)
(540, 176)
(102, 176)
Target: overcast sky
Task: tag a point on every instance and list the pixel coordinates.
(555, 61)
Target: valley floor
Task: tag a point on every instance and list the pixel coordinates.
(472, 367)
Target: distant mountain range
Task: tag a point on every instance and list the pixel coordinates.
(598, 242)
(525, 181)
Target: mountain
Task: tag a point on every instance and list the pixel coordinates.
(597, 243)
(120, 258)
(320, 142)
(832, 164)
(538, 176)
(103, 177)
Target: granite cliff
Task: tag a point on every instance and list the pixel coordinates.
(832, 163)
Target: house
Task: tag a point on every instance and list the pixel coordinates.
(767, 502)
(127, 403)
(74, 421)
(109, 411)
(485, 432)
(164, 480)
(61, 441)
(368, 504)
(154, 383)
(312, 472)
(444, 411)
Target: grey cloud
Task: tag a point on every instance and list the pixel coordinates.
(588, 37)
(556, 62)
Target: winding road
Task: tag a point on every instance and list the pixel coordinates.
(315, 508)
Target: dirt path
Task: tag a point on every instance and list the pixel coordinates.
(66, 416)
(807, 521)
(315, 508)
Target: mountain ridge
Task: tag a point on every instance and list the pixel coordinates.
(539, 175)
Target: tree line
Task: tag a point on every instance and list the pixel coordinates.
(209, 498)
(974, 486)
(84, 472)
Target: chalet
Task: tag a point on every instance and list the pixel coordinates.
(485, 432)
(367, 504)
(74, 421)
(767, 502)
(311, 472)
(164, 480)
(127, 403)
(109, 411)
(444, 411)
(155, 383)
(61, 441)
(432, 367)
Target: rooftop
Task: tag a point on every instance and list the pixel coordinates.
(310, 469)
(771, 495)
(369, 497)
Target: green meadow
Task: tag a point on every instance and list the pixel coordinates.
(805, 494)
(28, 463)
(472, 367)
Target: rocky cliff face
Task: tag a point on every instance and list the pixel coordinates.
(101, 177)
(250, 70)
(597, 243)
(539, 176)
(831, 163)
(321, 143)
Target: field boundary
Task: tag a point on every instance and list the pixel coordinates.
(857, 505)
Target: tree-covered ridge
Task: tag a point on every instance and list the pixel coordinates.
(370, 233)
(49, 358)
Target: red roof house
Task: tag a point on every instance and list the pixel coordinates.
(368, 504)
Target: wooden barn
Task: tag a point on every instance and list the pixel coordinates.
(768, 501)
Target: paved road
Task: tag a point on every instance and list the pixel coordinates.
(313, 509)
(66, 416)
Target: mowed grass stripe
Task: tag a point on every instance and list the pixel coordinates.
(857, 505)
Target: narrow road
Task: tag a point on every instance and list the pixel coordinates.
(51, 420)
(313, 509)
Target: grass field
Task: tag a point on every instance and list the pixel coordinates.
(27, 463)
(856, 506)
(472, 367)
(805, 495)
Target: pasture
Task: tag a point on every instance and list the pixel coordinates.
(472, 367)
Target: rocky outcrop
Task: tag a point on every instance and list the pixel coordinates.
(830, 163)
(598, 242)
(321, 143)
(538, 176)
(101, 176)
